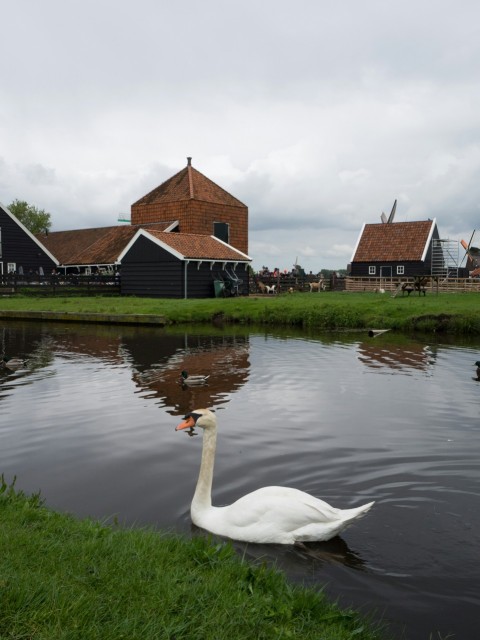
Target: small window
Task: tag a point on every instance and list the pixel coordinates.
(221, 231)
(400, 270)
(11, 267)
(372, 270)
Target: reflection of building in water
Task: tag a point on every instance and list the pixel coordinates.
(155, 357)
(400, 357)
(225, 359)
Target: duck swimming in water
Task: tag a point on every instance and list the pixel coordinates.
(477, 364)
(279, 515)
(193, 380)
(13, 363)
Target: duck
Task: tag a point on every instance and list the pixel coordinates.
(270, 515)
(13, 363)
(477, 364)
(193, 380)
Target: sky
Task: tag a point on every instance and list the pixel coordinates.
(316, 114)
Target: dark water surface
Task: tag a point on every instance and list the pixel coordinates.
(90, 422)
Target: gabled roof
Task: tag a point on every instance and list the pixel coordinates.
(101, 245)
(35, 238)
(190, 246)
(189, 184)
(394, 242)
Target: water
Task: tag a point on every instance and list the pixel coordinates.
(90, 422)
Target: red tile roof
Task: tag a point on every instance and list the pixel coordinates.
(189, 184)
(395, 241)
(198, 247)
(101, 245)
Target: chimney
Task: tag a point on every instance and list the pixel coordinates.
(189, 161)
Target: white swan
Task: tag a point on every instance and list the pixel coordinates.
(278, 515)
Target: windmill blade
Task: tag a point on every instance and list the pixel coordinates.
(392, 213)
(383, 217)
(467, 246)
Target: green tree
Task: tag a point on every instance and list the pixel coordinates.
(36, 220)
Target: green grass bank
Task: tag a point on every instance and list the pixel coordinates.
(64, 578)
(443, 312)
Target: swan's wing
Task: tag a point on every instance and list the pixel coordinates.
(282, 508)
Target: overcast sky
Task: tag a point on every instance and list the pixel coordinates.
(317, 114)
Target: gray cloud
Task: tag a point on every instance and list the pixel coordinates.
(317, 115)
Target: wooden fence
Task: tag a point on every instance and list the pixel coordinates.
(436, 285)
(78, 285)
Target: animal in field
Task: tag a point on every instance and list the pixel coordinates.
(276, 515)
(270, 288)
(317, 286)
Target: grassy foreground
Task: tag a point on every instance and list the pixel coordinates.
(445, 312)
(78, 579)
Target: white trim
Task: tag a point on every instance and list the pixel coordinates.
(429, 239)
(225, 244)
(358, 242)
(171, 227)
(29, 233)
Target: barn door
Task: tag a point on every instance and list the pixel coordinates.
(386, 272)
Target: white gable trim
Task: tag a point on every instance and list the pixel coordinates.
(145, 234)
(225, 244)
(429, 239)
(29, 234)
(358, 242)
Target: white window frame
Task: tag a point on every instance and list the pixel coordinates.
(11, 266)
(400, 270)
(372, 270)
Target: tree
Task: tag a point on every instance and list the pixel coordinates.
(36, 220)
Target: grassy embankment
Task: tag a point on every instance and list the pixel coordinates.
(78, 579)
(452, 313)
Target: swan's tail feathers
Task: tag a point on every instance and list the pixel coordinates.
(358, 512)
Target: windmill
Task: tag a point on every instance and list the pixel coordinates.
(472, 254)
(388, 220)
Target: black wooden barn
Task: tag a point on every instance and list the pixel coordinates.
(21, 253)
(181, 265)
(395, 249)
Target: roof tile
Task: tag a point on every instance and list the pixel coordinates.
(395, 241)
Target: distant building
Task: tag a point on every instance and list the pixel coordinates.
(394, 249)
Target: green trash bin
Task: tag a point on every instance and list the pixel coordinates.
(219, 287)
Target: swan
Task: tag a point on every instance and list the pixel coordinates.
(279, 515)
(193, 380)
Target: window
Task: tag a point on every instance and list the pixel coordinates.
(11, 267)
(221, 231)
(372, 270)
(400, 270)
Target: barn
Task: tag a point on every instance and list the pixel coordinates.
(185, 237)
(21, 253)
(181, 265)
(394, 249)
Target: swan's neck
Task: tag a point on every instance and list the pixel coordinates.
(203, 491)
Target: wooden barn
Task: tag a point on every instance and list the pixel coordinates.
(181, 234)
(181, 265)
(21, 253)
(394, 249)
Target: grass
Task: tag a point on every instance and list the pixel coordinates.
(63, 578)
(445, 312)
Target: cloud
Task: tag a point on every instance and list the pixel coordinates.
(316, 115)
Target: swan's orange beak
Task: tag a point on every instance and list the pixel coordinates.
(188, 423)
